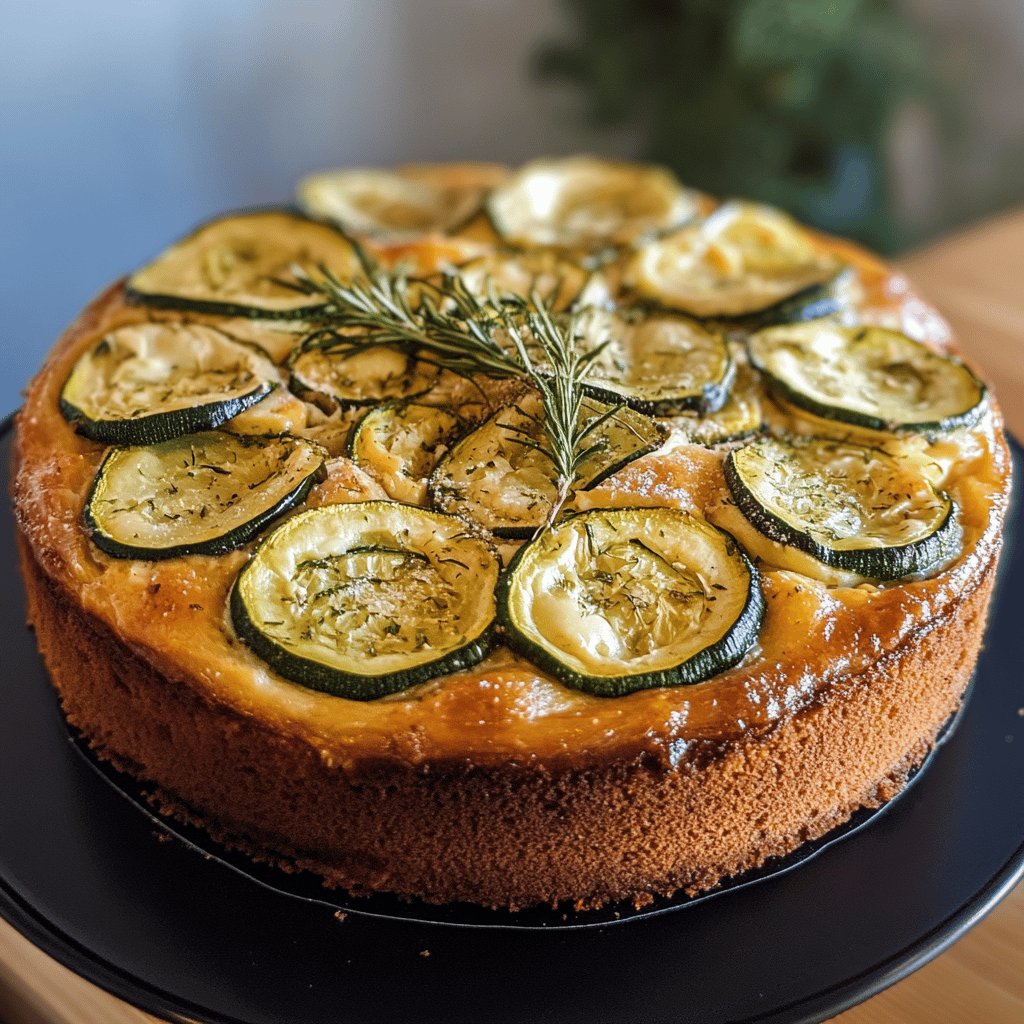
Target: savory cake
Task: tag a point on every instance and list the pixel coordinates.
(511, 536)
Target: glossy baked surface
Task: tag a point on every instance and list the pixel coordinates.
(174, 612)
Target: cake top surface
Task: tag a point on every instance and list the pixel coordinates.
(548, 465)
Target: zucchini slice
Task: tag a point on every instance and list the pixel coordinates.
(561, 283)
(853, 508)
(400, 443)
(612, 601)
(367, 599)
(743, 259)
(870, 377)
(582, 202)
(278, 338)
(387, 205)
(658, 363)
(496, 477)
(235, 265)
(203, 494)
(467, 176)
(819, 300)
(373, 375)
(152, 382)
(740, 417)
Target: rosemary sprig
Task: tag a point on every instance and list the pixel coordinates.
(559, 377)
(513, 337)
(459, 334)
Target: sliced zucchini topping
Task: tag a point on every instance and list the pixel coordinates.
(559, 282)
(851, 507)
(583, 202)
(613, 601)
(152, 382)
(743, 259)
(819, 300)
(202, 494)
(400, 443)
(868, 376)
(387, 204)
(237, 266)
(362, 600)
(367, 599)
(740, 417)
(499, 477)
(278, 338)
(659, 363)
(365, 377)
(468, 175)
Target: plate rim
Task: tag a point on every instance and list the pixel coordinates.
(827, 1002)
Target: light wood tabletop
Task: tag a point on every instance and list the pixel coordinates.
(975, 280)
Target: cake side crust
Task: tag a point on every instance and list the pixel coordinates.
(511, 836)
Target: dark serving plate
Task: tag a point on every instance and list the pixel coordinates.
(181, 929)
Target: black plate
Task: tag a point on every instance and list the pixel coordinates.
(83, 876)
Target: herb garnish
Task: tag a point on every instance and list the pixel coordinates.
(450, 325)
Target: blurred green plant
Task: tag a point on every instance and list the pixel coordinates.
(786, 101)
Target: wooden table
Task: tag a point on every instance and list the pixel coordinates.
(975, 279)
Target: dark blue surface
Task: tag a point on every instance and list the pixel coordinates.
(82, 874)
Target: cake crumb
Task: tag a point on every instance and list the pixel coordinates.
(424, 952)
(340, 915)
(1020, 712)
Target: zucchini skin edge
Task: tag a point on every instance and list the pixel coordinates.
(215, 545)
(724, 654)
(392, 405)
(712, 396)
(885, 564)
(611, 249)
(163, 426)
(811, 303)
(746, 434)
(159, 300)
(838, 414)
(307, 392)
(386, 237)
(315, 676)
(814, 302)
(661, 429)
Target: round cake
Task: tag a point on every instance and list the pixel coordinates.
(511, 536)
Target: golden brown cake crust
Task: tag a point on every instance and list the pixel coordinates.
(173, 613)
(499, 785)
(511, 836)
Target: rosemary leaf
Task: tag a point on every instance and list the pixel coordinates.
(452, 326)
